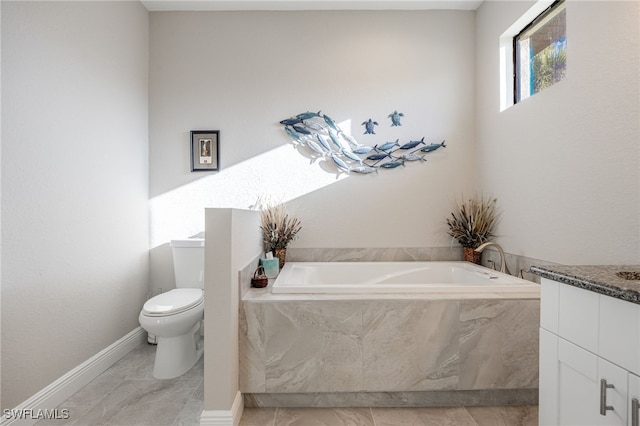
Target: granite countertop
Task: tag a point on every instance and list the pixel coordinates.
(601, 279)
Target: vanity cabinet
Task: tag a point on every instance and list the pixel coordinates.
(589, 358)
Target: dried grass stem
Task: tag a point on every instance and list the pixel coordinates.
(473, 221)
(278, 228)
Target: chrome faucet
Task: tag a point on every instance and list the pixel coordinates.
(503, 261)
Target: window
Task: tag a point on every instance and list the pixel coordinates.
(540, 52)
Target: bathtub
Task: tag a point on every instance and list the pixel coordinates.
(394, 277)
(391, 334)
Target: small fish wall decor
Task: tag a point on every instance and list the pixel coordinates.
(324, 139)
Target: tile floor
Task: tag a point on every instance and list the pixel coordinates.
(450, 416)
(128, 395)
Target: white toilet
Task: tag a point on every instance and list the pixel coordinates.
(174, 317)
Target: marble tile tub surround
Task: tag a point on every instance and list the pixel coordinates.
(316, 346)
(403, 254)
(597, 278)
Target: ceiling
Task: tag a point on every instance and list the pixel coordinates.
(201, 5)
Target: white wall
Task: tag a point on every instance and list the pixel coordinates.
(565, 163)
(243, 72)
(233, 240)
(74, 185)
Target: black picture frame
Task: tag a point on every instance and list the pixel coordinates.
(205, 152)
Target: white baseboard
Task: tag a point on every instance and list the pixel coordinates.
(224, 417)
(63, 388)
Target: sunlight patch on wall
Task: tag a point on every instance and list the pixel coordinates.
(280, 174)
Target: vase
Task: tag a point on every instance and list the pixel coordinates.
(281, 254)
(470, 255)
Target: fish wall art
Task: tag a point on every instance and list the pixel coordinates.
(324, 139)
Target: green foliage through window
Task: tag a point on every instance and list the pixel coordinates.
(540, 52)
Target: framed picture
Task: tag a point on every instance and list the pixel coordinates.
(204, 150)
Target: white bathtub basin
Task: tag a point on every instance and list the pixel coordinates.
(394, 277)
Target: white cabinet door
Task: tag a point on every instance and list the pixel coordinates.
(578, 313)
(549, 299)
(548, 382)
(619, 334)
(613, 398)
(578, 387)
(581, 393)
(633, 416)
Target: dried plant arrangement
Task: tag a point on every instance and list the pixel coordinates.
(473, 221)
(278, 228)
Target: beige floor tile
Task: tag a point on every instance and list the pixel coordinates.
(526, 415)
(439, 416)
(324, 417)
(258, 417)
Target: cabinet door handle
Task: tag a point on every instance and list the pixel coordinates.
(603, 397)
(635, 407)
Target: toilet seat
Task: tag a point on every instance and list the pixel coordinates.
(173, 302)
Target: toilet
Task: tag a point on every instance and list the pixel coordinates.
(174, 317)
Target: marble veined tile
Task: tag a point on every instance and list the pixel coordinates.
(140, 402)
(452, 416)
(92, 393)
(190, 414)
(258, 417)
(324, 417)
(73, 414)
(526, 415)
(251, 347)
(137, 363)
(499, 344)
(313, 346)
(374, 254)
(410, 346)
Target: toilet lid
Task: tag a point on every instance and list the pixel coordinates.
(173, 302)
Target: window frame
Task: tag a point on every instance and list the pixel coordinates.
(516, 49)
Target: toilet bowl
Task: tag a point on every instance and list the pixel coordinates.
(174, 317)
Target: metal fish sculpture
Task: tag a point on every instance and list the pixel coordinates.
(295, 136)
(350, 140)
(323, 143)
(290, 121)
(387, 146)
(317, 148)
(340, 163)
(307, 115)
(362, 149)
(412, 144)
(332, 124)
(314, 126)
(433, 146)
(323, 139)
(351, 156)
(392, 164)
(413, 157)
(379, 156)
(395, 118)
(369, 127)
(336, 141)
(301, 129)
(364, 169)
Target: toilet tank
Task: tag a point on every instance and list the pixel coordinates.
(188, 262)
